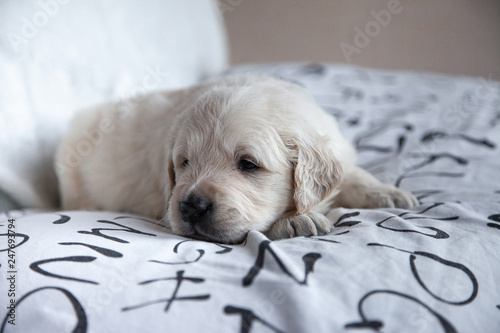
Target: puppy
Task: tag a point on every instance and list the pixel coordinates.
(217, 160)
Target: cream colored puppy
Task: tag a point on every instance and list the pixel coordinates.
(217, 160)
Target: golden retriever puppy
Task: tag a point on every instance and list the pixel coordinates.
(217, 160)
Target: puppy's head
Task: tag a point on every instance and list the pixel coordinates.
(241, 159)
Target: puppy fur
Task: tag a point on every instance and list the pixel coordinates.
(217, 160)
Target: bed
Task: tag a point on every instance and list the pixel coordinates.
(434, 268)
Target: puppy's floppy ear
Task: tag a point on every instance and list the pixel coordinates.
(317, 172)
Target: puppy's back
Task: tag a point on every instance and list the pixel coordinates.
(112, 156)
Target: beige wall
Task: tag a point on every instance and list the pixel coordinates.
(448, 36)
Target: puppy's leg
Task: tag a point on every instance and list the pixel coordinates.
(360, 189)
(309, 224)
(71, 185)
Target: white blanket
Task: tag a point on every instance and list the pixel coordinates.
(434, 268)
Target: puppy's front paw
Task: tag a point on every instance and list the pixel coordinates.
(386, 196)
(309, 224)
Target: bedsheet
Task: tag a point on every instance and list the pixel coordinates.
(434, 268)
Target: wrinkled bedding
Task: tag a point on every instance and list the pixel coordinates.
(434, 268)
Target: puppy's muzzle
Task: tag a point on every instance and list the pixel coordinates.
(196, 209)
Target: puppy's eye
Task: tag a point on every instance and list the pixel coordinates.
(246, 165)
(185, 163)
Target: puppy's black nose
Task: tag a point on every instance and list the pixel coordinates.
(195, 209)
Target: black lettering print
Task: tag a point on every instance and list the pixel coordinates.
(62, 220)
(248, 318)
(431, 268)
(368, 323)
(106, 252)
(80, 259)
(81, 317)
(309, 260)
(179, 279)
(436, 259)
(200, 252)
(98, 231)
(496, 223)
(24, 238)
